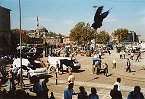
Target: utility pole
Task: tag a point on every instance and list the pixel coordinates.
(21, 76)
(95, 29)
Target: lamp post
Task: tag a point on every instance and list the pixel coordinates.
(95, 29)
(21, 76)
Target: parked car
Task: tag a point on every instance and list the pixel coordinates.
(64, 61)
(31, 68)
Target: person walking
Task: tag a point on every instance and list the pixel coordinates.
(98, 65)
(82, 94)
(128, 69)
(115, 94)
(52, 96)
(57, 66)
(19, 76)
(37, 87)
(93, 94)
(100, 54)
(109, 52)
(44, 88)
(11, 84)
(118, 83)
(124, 54)
(105, 67)
(120, 54)
(138, 56)
(94, 66)
(68, 93)
(71, 78)
(132, 54)
(15, 71)
(114, 63)
(136, 94)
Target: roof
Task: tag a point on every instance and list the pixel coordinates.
(4, 8)
(41, 28)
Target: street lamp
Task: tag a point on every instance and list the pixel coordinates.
(95, 29)
(21, 76)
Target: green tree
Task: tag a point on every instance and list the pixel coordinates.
(82, 33)
(15, 37)
(102, 37)
(120, 34)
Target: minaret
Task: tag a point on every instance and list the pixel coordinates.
(37, 29)
(37, 22)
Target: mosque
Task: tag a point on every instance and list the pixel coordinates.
(41, 36)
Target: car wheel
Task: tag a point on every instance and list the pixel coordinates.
(52, 69)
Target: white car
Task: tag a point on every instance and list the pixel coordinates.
(29, 69)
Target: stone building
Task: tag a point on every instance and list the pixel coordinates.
(38, 35)
(54, 40)
(41, 35)
(5, 38)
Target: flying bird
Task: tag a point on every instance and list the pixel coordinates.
(99, 16)
(98, 12)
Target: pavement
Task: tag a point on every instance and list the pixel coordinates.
(136, 77)
(100, 82)
(103, 89)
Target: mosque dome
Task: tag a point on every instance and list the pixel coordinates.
(41, 29)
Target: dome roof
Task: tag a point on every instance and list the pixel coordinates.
(41, 29)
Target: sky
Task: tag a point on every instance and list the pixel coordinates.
(60, 16)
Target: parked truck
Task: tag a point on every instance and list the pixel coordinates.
(66, 62)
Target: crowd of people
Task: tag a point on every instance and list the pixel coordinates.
(115, 93)
(99, 66)
(40, 89)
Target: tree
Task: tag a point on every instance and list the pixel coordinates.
(102, 37)
(120, 34)
(82, 33)
(15, 37)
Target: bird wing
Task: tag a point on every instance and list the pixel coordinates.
(98, 12)
(104, 15)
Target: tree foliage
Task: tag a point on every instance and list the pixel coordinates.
(102, 37)
(15, 36)
(82, 33)
(120, 34)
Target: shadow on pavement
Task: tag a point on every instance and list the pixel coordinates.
(92, 79)
(78, 71)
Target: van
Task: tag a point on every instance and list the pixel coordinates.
(66, 62)
(30, 68)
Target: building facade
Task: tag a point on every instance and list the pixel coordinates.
(5, 38)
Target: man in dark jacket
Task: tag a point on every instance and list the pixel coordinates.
(128, 69)
(136, 94)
